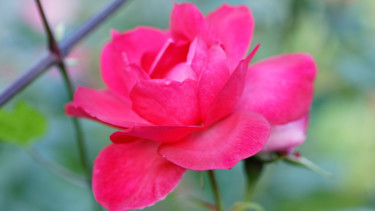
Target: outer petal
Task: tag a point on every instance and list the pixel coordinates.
(159, 133)
(234, 25)
(280, 88)
(103, 106)
(228, 97)
(166, 102)
(284, 138)
(128, 48)
(186, 21)
(213, 78)
(137, 42)
(222, 145)
(133, 176)
(112, 66)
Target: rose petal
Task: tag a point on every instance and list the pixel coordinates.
(160, 54)
(103, 106)
(135, 43)
(222, 145)
(112, 65)
(181, 72)
(133, 176)
(280, 88)
(133, 73)
(166, 102)
(186, 21)
(172, 55)
(127, 48)
(75, 111)
(159, 133)
(213, 78)
(284, 138)
(234, 25)
(198, 55)
(231, 93)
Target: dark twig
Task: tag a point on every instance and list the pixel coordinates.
(49, 58)
(53, 46)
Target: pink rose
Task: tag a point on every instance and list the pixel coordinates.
(184, 98)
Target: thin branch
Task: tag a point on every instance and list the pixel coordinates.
(48, 59)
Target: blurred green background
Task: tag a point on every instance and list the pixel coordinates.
(340, 34)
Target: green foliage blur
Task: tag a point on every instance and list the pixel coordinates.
(340, 34)
(21, 125)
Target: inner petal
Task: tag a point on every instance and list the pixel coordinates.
(171, 55)
(160, 54)
(181, 72)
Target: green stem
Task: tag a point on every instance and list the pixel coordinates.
(253, 169)
(249, 190)
(77, 125)
(58, 169)
(54, 48)
(215, 189)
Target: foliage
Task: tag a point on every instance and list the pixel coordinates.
(21, 125)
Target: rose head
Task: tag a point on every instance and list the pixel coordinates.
(186, 98)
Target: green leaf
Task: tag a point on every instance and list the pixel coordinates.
(247, 206)
(298, 159)
(21, 125)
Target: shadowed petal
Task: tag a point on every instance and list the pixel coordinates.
(104, 107)
(284, 138)
(280, 88)
(172, 55)
(222, 145)
(133, 176)
(159, 133)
